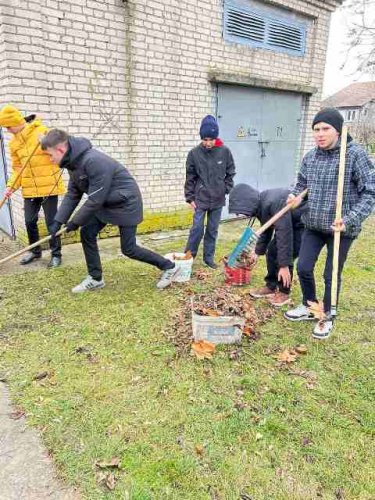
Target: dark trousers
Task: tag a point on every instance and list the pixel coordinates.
(210, 234)
(312, 244)
(273, 267)
(32, 207)
(129, 247)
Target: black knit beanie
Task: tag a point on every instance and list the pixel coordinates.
(331, 116)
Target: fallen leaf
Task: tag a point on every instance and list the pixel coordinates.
(202, 275)
(287, 356)
(339, 494)
(210, 312)
(41, 375)
(235, 355)
(17, 414)
(245, 496)
(202, 349)
(106, 479)
(248, 331)
(199, 449)
(240, 405)
(317, 309)
(301, 349)
(115, 462)
(187, 256)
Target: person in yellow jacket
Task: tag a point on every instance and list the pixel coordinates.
(41, 181)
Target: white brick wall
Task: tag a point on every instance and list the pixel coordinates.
(134, 75)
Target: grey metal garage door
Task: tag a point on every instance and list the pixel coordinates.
(262, 129)
(5, 217)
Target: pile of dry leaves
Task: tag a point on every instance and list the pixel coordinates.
(220, 302)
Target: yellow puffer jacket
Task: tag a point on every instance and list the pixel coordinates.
(41, 177)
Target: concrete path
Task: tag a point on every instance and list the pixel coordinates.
(26, 471)
(109, 249)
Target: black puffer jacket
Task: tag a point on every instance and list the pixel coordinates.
(113, 194)
(209, 176)
(246, 200)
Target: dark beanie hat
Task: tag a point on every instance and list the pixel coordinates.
(209, 128)
(331, 116)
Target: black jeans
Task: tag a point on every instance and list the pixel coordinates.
(32, 207)
(210, 234)
(273, 267)
(312, 244)
(129, 247)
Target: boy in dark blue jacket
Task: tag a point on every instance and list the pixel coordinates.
(280, 243)
(209, 177)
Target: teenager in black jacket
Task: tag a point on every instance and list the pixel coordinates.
(209, 177)
(113, 197)
(280, 243)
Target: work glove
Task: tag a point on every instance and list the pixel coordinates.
(71, 226)
(54, 227)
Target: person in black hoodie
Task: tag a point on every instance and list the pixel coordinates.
(113, 197)
(280, 243)
(209, 177)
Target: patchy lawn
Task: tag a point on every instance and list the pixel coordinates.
(98, 376)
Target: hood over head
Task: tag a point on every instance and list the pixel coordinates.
(244, 199)
(77, 146)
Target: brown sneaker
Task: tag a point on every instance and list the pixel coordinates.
(279, 299)
(262, 292)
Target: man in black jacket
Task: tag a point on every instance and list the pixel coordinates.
(209, 177)
(113, 197)
(280, 243)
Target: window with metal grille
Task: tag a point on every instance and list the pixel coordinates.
(268, 30)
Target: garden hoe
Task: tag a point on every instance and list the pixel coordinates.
(249, 236)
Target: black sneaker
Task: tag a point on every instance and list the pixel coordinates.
(210, 264)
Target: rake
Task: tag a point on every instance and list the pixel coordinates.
(249, 236)
(30, 247)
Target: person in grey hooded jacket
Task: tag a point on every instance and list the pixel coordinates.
(280, 243)
(113, 197)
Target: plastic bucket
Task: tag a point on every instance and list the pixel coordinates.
(237, 276)
(185, 266)
(218, 329)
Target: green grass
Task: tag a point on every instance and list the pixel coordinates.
(306, 431)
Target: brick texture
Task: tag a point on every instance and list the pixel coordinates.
(133, 76)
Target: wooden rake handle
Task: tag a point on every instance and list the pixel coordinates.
(337, 234)
(20, 172)
(277, 216)
(30, 247)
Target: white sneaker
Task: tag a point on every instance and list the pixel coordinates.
(299, 313)
(323, 330)
(168, 276)
(88, 284)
